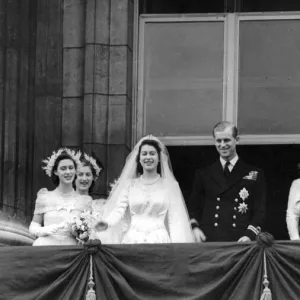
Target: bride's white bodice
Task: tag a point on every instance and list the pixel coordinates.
(149, 201)
(144, 201)
(148, 206)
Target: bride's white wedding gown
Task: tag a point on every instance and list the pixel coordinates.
(147, 210)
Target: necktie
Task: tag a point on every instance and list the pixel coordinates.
(226, 169)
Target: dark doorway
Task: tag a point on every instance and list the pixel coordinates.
(215, 6)
(279, 163)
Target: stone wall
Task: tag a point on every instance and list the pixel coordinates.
(65, 80)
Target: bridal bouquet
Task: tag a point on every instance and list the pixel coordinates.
(81, 228)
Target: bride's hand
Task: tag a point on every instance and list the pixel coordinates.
(101, 225)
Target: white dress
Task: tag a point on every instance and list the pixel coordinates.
(57, 209)
(147, 211)
(293, 210)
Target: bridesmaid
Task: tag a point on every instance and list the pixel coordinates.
(54, 209)
(87, 174)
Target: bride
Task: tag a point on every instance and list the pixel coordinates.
(87, 174)
(146, 205)
(54, 209)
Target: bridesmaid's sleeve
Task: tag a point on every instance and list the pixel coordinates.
(41, 203)
(293, 210)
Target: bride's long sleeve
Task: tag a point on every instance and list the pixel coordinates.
(175, 237)
(293, 210)
(118, 212)
(178, 219)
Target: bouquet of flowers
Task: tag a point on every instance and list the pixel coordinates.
(81, 228)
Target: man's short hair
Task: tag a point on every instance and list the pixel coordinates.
(221, 126)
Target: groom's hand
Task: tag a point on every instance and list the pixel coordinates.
(199, 236)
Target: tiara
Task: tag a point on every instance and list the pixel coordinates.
(157, 140)
(50, 161)
(94, 164)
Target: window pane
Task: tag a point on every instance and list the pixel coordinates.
(269, 77)
(183, 77)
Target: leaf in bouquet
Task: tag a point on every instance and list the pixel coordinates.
(74, 231)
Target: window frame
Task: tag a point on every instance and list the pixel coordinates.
(230, 75)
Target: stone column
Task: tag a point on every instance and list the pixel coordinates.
(73, 72)
(107, 84)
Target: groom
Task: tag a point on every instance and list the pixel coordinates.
(228, 198)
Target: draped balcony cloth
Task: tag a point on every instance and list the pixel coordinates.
(154, 271)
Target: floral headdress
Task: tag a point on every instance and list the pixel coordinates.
(93, 163)
(50, 161)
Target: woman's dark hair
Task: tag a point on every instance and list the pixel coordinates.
(154, 144)
(61, 157)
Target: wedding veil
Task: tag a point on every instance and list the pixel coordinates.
(178, 219)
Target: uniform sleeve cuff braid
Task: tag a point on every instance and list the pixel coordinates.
(252, 232)
(194, 223)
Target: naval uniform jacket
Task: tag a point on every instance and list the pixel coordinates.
(227, 208)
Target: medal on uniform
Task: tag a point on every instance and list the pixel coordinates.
(243, 207)
(244, 194)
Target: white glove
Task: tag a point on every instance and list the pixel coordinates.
(38, 230)
(244, 239)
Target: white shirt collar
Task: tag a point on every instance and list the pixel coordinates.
(232, 162)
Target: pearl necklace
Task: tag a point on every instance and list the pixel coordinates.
(150, 182)
(64, 201)
(65, 195)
